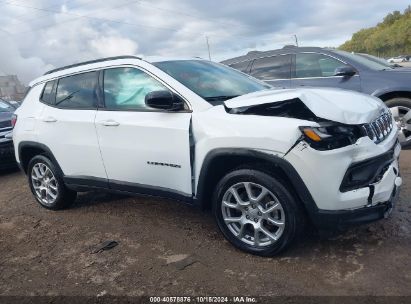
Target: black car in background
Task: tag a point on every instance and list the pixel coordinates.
(292, 67)
(7, 158)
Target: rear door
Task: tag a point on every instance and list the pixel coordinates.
(67, 127)
(317, 70)
(275, 70)
(144, 150)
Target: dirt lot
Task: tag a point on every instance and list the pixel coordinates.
(167, 248)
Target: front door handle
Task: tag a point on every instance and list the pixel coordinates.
(110, 123)
(49, 119)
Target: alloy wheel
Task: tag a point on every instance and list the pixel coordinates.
(253, 214)
(44, 183)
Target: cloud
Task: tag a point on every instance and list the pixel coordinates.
(12, 62)
(106, 46)
(70, 31)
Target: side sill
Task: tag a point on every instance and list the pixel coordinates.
(87, 183)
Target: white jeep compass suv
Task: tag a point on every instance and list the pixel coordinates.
(266, 161)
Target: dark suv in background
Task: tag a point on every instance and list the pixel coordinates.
(292, 67)
(7, 158)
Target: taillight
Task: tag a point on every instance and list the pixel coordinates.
(13, 120)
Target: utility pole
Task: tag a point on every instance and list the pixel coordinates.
(208, 48)
(296, 40)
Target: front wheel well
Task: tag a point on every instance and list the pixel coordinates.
(390, 95)
(221, 165)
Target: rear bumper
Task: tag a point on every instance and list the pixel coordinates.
(332, 220)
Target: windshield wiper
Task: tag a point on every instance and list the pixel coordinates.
(220, 98)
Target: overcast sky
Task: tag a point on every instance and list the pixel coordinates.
(37, 35)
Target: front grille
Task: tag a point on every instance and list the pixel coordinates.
(5, 124)
(380, 128)
(3, 133)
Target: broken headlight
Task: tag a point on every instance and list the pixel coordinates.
(328, 137)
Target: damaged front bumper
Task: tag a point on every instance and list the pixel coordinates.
(339, 220)
(380, 206)
(332, 178)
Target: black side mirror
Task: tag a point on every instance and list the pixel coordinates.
(346, 71)
(164, 100)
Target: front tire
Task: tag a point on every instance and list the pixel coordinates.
(47, 186)
(256, 212)
(400, 108)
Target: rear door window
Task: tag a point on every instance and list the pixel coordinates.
(270, 68)
(77, 91)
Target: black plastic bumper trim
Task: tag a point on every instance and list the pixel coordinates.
(340, 220)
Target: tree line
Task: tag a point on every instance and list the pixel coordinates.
(391, 37)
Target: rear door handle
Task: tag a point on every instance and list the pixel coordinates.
(49, 119)
(110, 123)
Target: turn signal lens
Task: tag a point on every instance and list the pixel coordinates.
(311, 134)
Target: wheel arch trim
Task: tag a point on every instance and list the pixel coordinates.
(392, 90)
(31, 144)
(289, 171)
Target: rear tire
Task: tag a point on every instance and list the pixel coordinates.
(256, 212)
(47, 185)
(401, 111)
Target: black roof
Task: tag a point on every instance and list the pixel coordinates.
(285, 50)
(91, 61)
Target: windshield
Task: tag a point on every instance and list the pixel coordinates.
(376, 59)
(212, 81)
(371, 64)
(5, 107)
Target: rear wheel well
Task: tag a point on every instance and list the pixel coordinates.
(391, 95)
(27, 153)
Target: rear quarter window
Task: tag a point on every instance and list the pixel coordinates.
(242, 66)
(47, 94)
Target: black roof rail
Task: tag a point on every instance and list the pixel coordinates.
(91, 61)
(290, 46)
(253, 52)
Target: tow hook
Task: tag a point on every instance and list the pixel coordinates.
(387, 213)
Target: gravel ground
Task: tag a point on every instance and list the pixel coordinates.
(167, 248)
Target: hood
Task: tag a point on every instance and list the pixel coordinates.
(337, 105)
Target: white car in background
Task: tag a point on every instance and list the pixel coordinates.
(397, 59)
(266, 161)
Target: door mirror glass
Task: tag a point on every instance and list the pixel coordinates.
(346, 71)
(164, 100)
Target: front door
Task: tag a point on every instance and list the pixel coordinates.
(144, 150)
